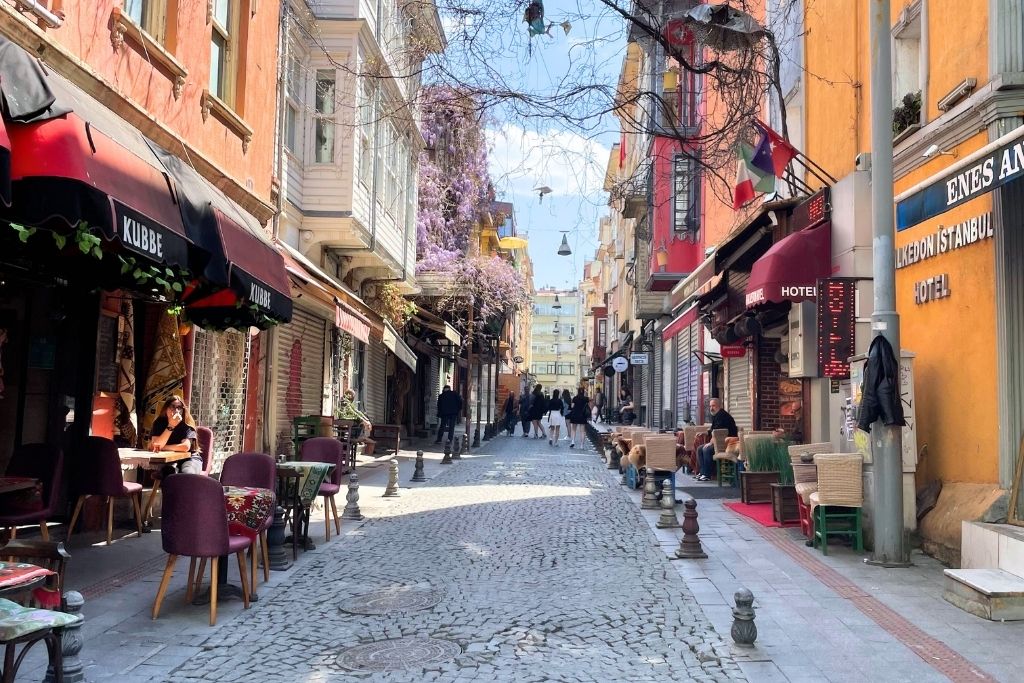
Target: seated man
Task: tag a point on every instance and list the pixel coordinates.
(720, 419)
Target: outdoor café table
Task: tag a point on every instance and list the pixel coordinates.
(300, 485)
(17, 577)
(148, 460)
(248, 508)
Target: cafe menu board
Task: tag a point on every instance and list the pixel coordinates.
(836, 324)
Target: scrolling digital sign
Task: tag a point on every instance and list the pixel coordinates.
(836, 323)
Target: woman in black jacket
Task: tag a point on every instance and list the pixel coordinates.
(578, 415)
(538, 406)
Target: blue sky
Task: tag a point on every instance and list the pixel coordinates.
(529, 151)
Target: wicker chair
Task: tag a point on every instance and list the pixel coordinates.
(805, 476)
(689, 445)
(836, 505)
(724, 458)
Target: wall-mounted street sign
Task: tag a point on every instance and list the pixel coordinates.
(620, 364)
(639, 358)
(733, 351)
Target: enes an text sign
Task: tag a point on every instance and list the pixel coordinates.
(988, 172)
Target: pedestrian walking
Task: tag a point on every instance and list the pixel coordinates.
(598, 409)
(578, 415)
(538, 406)
(510, 414)
(555, 418)
(449, 404)
(524, 410)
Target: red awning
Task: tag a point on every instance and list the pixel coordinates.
(790, 269)
(322, 287)
(90, 165)
(5, 165)
(682, 321)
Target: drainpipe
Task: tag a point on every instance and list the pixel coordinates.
(51, 19)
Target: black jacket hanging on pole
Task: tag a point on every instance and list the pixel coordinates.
(881, 395)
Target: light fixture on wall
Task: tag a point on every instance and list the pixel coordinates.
(557, 304)
(662, 255)
(563, 249)
(935, 151)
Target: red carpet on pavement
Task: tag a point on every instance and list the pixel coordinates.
(760, 513)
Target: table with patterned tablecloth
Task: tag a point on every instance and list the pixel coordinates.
(311, 476)
(248, 509)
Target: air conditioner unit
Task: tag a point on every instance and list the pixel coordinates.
(571, 337)
(803, 340)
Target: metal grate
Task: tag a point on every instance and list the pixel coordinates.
(220, 367)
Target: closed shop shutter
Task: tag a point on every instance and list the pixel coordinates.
(375, 383)
(738, 394)
(668, 384)
(640, 391)
(219, 369)
(300, 372)
(431, 391)
(655, 419)
(687, 375)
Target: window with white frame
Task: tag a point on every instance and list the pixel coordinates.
(223, 49)
(294, 82)
(602, 332)
(324, 105)
(149, 15)
(367, 116)
(685, 208)
(907, 63)
(566, 369)
(391, 155)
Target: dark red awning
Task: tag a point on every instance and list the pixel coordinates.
(79, 161)
(790, 269)
(682, 321)
(5, 165)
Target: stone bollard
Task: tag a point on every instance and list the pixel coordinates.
(417, 474)
(352, 499)
(391, 490)
(650, 499)
(744, 630)
(71, 642)
(668, 507)
(690, 548)
(465, 443)
(447, 459)
(457, 453)
(476, 436)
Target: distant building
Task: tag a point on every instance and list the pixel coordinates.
(554, 338)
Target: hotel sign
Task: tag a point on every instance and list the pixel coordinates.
(988, 172)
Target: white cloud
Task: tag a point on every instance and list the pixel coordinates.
(570, 164)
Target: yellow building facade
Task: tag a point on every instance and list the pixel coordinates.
(954, 69)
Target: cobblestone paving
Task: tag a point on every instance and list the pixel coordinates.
(548, 574)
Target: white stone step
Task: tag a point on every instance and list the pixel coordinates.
(993, 594)
(992, 546)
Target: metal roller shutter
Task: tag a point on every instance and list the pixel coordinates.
(655, 419)
(668, 384)
(431, 391)
(219, 373)
(302, 344)
(687, 375)
(640, 392)
(375, 385)
(738, 394)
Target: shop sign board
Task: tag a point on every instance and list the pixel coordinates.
(836, 325)
(620, 364)
(639, 358)
(733, 351)
(989, 171)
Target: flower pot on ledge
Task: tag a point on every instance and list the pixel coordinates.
(755, 487)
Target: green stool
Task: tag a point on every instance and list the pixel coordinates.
(726, 470)
(304, 428)
(834, 520)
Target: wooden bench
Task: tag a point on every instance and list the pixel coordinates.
(388, 437)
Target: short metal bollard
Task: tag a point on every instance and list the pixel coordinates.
(457, 453)
(744, 630)
(668, 506)
(391, 490)
(279, 559)
(465, 443)
(417, 474)
(71, 642)
(447, 459)
(352, 510)
(690, 548)
(650, 499)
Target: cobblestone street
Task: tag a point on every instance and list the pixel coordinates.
(543, 570)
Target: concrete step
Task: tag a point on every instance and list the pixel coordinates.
(992, 546)
(993, 594)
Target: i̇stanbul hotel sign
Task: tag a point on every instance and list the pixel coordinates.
(993, 168)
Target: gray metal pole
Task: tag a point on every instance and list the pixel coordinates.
(887, 515)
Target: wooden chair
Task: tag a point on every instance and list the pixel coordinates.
(725, 459)
(42, 462)
(388, 436)
(836, 505)
(98, 473)
(805, 477)
(48, 554)
(304, 428)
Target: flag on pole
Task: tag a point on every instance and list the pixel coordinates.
(761, 165)
(781, 151)
(743, 188)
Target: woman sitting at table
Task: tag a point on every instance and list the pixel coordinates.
(175, 430)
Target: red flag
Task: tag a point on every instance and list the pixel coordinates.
(782, 151)
(622, 149)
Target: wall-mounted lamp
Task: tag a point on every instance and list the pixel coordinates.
(934, 151)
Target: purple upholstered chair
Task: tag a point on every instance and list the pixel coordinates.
(98, 473)
(42, 462)
(195, 524)
(205, 438)
(258, 470)
(326, 449)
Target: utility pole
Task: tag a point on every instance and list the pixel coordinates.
(886, 442)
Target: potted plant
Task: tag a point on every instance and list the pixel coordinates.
(767, 463)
